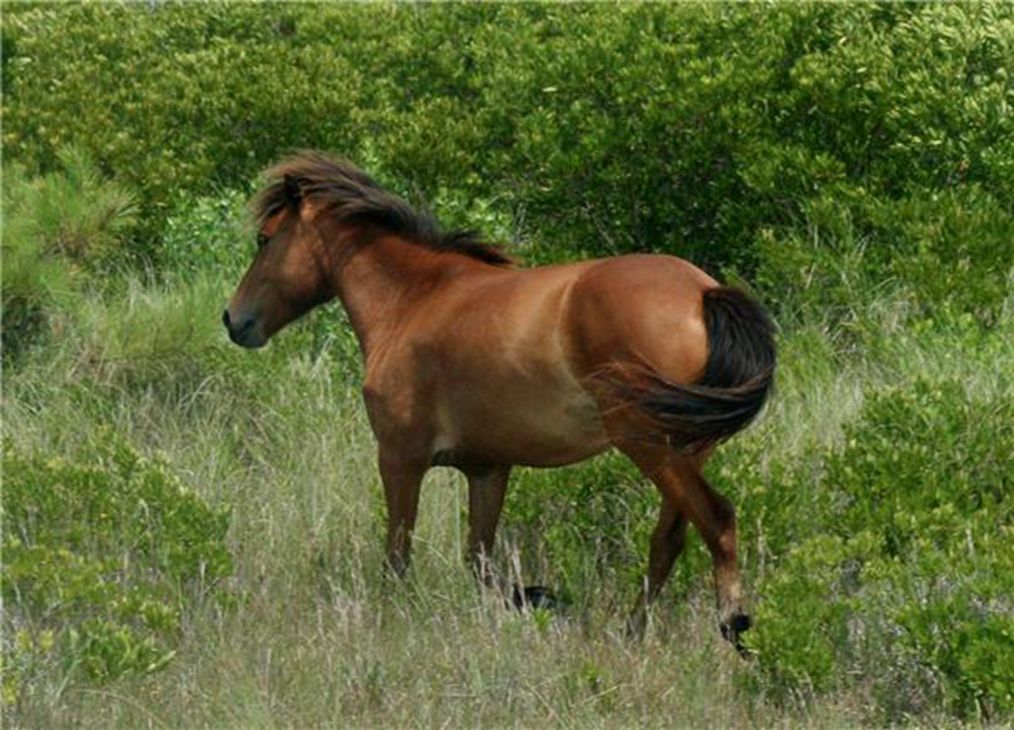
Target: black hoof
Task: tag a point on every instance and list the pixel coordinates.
(534, 597)
(733, 629)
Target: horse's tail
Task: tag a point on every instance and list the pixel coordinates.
(736, 381)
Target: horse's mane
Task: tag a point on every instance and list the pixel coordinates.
(351, 196)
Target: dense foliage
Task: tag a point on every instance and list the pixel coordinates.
(903, 560)
(853, 163)
(700, 130)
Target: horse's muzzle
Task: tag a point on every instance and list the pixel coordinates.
(245, 332)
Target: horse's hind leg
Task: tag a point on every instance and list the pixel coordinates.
(486, 489)
(664, 547)
(679, 479)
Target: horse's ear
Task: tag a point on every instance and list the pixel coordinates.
(293, 195)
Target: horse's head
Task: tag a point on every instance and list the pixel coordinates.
(288, 275)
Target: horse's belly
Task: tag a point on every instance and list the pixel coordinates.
(530, 429)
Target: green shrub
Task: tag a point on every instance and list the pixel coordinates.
(208, 235)
(102, 556)
(692, 129)
(945, 252)
(74, 212)
(57, 228)
(904, 574)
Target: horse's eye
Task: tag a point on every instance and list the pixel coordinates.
(262, 240)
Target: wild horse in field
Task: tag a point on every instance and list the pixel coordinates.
(475, 364)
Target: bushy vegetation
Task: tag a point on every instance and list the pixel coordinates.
(55, 225)
(706, 130)
(853, 163)
(100, 560)
(901, 571)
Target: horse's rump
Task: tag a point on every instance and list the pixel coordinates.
(734, 386)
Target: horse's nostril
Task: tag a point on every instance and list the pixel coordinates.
(225, 318)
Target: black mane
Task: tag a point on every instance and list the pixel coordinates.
(352, 196)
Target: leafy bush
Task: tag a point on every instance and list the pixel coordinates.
(208, 235)
(101, 559)
(904, 576)
(713, 132)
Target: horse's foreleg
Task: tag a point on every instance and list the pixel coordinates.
(664, 547)
(402, 479)
(486, 489)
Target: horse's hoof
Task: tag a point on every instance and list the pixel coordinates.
(733, 629)
(534, 597)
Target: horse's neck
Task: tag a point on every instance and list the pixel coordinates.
(380, 280)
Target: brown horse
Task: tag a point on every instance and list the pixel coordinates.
(475, 364)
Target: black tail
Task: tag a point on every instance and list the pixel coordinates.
(736, 380)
